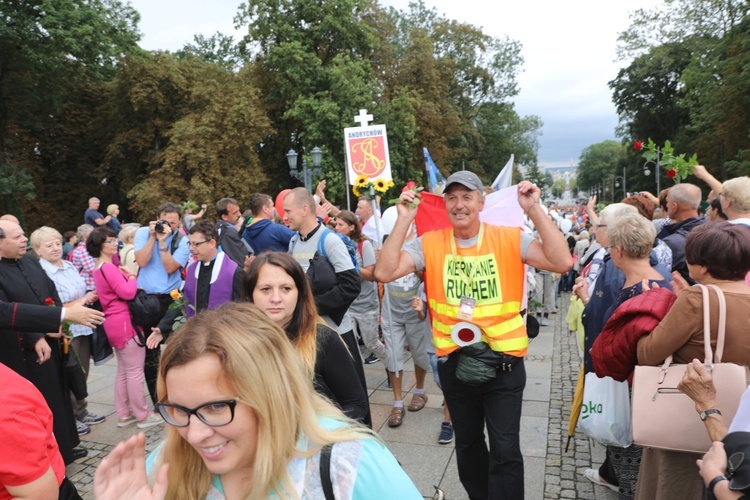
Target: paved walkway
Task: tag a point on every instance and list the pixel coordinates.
(551, 472)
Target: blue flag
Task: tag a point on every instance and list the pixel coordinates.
(434, 177)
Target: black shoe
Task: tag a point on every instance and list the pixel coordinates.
(371, 359)
(79, 453)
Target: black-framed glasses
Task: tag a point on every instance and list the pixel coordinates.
(197, 243)
(213, 414)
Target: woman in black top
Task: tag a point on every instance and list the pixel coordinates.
(277, 284)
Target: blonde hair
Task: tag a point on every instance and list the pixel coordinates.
(111, 209)
(43, 234)
(128, 231)
(614, 211)
(634, 233)
(737, 191)
(263, 369)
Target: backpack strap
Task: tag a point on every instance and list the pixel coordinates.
(175, 242)
(325, 471)
(321, 242)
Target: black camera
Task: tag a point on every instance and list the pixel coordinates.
(160, 225)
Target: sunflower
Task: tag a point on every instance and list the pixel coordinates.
(380, 185)
(356, 191)
(361, 181)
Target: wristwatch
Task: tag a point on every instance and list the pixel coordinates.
(705, 413)
(163, 249)
(712, 485)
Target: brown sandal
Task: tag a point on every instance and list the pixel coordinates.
(397, 416)
(417, 402)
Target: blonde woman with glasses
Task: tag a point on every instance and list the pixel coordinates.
(245, 422)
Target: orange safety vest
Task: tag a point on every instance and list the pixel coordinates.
(493, 275)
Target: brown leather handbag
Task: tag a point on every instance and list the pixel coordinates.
(664, 417)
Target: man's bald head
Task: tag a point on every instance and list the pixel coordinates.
(300, 197)
(683, 201)
(12, 240)
(688, 195)
(11, 218)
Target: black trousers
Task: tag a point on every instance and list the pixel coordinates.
(496, 473)
(151, 364)
(351, 344)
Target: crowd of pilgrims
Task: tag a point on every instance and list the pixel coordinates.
(642, 246)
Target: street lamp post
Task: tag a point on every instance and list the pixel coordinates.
(306, 175)
(656, 164)
(617, 180)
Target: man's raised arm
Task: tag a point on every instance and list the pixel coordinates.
(393, 262)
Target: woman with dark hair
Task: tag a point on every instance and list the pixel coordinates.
(714, 211)
(115, 287)
(276, 283)
(365, 309)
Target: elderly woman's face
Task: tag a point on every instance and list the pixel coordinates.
(227, 450)
(601, 233)
(50, 250)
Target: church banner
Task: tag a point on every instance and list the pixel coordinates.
(367, 152)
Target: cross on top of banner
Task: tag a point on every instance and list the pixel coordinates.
(363, 118)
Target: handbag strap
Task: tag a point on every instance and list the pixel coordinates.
(721, 331)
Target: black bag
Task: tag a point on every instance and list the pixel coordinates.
(101, 349)
(76, 378)
(145, 309)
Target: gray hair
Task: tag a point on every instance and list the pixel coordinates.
(616, 210)
(685, 194)
(128, 231)
(737, 191)
(83, 232)
(634, 233)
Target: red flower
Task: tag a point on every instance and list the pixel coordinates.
(409, 185)
(671, 173)
(49, 301)
(638, 145)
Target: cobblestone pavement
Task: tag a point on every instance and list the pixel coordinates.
(563, 476)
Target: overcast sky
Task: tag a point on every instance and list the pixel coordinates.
(568, 48)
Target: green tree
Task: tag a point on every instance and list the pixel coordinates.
(558, 188)
(219, 49)
(535, 175)
(186, 129)
(598, 164)
(503, 133)
(312, 65)
(46, 46)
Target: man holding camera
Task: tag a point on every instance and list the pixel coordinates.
(161, 252)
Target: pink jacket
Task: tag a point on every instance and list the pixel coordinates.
(115, 290)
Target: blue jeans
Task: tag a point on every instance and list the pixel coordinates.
(496, 473)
